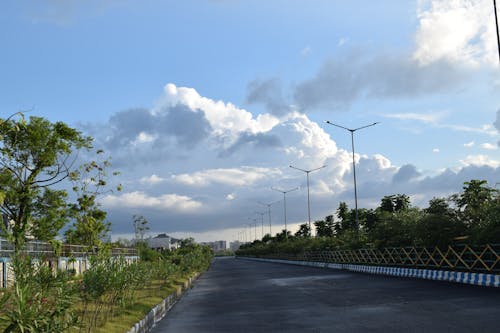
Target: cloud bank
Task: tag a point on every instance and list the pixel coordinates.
(193, 164)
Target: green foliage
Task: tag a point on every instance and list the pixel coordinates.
(90, 182)
(395, 223)
(35, 155)
(40, 300)
(140, 227)
(304, 231)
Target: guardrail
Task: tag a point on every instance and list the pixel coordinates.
(481, 259)
(45, 249)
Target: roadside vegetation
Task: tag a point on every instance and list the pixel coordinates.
(44, 187)
(469, 217)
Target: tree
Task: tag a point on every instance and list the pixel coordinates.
(438, 225)
(387, 204)
(283, 235)
(90, 182)
(141, 227)
(473, 202)
(325, 228)
(303, 232)
(34, 156)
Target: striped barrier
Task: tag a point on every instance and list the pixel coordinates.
(479, 279)
(160, 310)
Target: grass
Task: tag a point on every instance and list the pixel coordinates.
(145, 300)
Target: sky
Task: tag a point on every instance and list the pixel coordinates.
(203, 105)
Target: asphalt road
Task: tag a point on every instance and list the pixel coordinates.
(245, 296)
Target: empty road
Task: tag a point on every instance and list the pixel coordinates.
(246, 296)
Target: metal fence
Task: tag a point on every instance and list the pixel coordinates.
(44, 249)
(467, 258)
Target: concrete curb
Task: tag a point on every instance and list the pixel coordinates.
(160, 310)
(479, 279)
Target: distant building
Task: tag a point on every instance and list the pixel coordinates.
(163, 242)
(217, 246)
(233, 246)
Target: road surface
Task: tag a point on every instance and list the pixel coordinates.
(245, 296)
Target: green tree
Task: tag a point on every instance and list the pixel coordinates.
(303, 232)
(438, 225)
(141, 227)
(473, 202)
(325, 228)
(90, 182)
(34, 156)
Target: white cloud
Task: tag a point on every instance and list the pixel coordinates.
(226, 120)
(458, 31)
(144, 137)
(138, 199)
(485, 129)
(243, 176)
(435, 150)
(480, 160)
(428, 117)
(152, 180)
(231, 167)
(489, 146)
(469, 144)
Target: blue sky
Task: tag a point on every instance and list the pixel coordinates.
(203, 104)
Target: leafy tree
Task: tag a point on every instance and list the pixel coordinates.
(438, 225)
(304, 231)
(387, 204)
(90, 182)
(35, 155)
(325, 228)
(401, 202)
(347, 219)
(473, 202)
(283, 235)
(141, 227)
(394, 203)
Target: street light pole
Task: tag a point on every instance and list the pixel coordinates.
(352, 130)
(269, 213)
(284, 204)
(496, 25)
(308, 200)
(262, 220)
(255, 225)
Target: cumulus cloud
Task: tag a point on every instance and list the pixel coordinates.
(458, 31)
(270, 93)
(243, 176)
(141, 200)
(224, 171)
(405, 173)
(479, 160)
(152, 180)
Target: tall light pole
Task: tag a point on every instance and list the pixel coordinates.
(262, 220)
(249, 225)
(284, 204)
(496, 25)
(352, 130)
(255, 225)
(269, 213)
(308, 200)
